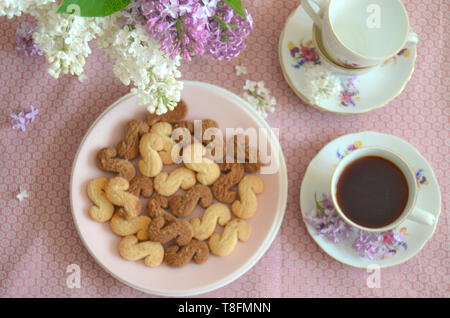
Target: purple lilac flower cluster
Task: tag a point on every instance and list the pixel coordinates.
(195, 27)
(22, 119)
(326, 220)
(380, 245)
(25, 43)
(227, 31)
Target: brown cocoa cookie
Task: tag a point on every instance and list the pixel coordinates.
(221, 188)
(189, 125)
(106, 161)
(182, 206)
(216, 150)
(195, 250)
(129, 147)
(252, 167)
(176, 115)
(239, 149)
(156, 206)
(141, 185)
(161, 231)
(207, 124)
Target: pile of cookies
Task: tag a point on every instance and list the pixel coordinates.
(168, 236)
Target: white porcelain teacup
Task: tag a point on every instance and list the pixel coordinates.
(329, 63)
(410, 212)
(361, 33)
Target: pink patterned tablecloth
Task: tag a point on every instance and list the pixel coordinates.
(38, 239)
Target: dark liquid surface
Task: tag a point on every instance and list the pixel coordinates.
(372, 192)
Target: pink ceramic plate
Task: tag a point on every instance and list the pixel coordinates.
(204, 101)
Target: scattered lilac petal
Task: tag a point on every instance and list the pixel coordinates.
(31, 116)
(240, 70)
(22, 119)
(25, 42)
(23, 194)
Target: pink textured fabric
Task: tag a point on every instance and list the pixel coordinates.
(38, 238)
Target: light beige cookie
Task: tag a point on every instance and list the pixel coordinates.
(223, 245)
(248, 204)
(116, 192)
(131, 250)
(165, 131)
(167, 184)
(124, 227)
(207, 170)
(217, 213)
(103, 209)
(150, 164)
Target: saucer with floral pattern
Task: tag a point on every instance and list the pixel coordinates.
(349, 245)
(354, 94)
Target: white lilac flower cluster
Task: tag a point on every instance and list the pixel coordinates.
(139, 59)
(259, 97)
(64, 39)
(321, 83)
(11, 8)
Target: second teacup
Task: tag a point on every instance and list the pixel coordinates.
(375, 189)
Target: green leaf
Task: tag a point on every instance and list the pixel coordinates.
(92, 8)
(318, 205)
(236, 5)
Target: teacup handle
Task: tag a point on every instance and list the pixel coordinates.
(315, 15)
(422, 217)
(413, 37)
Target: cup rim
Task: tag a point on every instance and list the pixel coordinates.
(328, 59)
(400, 219)
(381, 59)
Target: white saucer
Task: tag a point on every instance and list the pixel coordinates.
(317, 182)
(373, 90)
